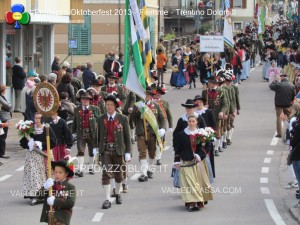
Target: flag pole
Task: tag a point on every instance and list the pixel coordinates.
(51, 212)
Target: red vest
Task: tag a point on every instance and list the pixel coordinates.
(110, 131)
(85, 117)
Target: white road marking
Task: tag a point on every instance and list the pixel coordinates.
(265, 170)
(270, 152)
(274, 141)
(135, 176)
(20, 169)
(267, 160)
(4, 177)
(264, 180)
(265, 190)
(273, 212)
(97, 217)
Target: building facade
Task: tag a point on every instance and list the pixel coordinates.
(33, 43)
(101, 32)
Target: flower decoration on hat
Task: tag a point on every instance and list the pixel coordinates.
(71, 166)
(17, 16)
(117, 98)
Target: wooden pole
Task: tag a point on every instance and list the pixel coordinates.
(145, 129)
(47, 126)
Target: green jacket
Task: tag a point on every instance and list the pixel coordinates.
(77, 127)
(230, 99)
(63, 203)
(167, 115)
(139, 130)
(121, 134)
(129, 103)
(237, 97)
(216, 101)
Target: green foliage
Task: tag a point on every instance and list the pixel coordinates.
(169, 36)
(203, 28)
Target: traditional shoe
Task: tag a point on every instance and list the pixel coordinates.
(1, 163)
(278, 136)
(79, 173)
(190, 87)
(224, 145)
(132, 140)
(158, 163)
(4, 157)
(194, 85)
(91, 171)
(217, 153)
(143, 178)
(220, 149)
(36, 201)
(106, 204)
(113, 193)
(150, 174)
(125, 189)
(118, 200)
(228, 141)
(292, 185)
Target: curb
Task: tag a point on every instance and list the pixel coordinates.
(295, 212)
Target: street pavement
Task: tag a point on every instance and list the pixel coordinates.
(249, 185)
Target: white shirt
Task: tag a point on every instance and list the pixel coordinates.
(85, 107)
(113, 115)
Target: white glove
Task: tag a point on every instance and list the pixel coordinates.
(95, 151)
(170, 130)
(197, 157)
(74, 136)
(68, 151)
(50, 200)
(161, 132)
(127, 157)
(49, 183)
(30, 144)
(141, 104)
(130, 110)
(39, 144)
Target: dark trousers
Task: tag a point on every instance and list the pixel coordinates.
(113, 166)
(192, 78)
(3, 142)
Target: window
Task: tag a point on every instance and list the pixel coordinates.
(237, 26)
(81, 32)
(242, 4)
(152, 29)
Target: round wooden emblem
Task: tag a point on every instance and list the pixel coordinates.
(46, 99)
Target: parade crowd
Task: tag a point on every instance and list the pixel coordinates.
(100, 114)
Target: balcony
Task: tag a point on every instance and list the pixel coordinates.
(175, 12)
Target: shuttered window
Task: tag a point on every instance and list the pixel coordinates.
(152, 29)
(238, 4)
(81, 32)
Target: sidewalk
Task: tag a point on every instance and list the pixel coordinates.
(12, 140)
(290, 194)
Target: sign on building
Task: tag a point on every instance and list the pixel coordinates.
(211, 43)
(72, 43)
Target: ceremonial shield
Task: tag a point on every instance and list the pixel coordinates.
(46, 99)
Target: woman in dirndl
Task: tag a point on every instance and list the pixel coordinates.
(177, 77)
(189, 158)
(64, 138)
(34, 168)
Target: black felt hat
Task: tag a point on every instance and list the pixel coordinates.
(189, 104)
(63, 163)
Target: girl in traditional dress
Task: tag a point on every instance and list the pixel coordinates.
(194, 181)
(177, 77)
(34, 168)
(273, 72)
(63, 136)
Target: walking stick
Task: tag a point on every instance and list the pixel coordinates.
(51, 212)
